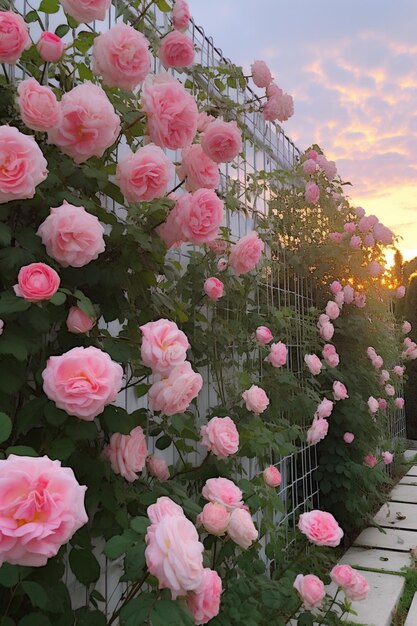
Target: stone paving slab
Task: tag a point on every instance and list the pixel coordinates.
(374, 558)
(412, 613)
(409, 480)
(404, 493)
(412, 471)
(392, 539)
(397, 515)
(410, 455)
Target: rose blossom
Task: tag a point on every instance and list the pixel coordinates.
(309, 166)
(72, 236)
(327, 167)
(164, 345)
(359, 211)
(313, 363)
(157, 467)
(171, 112)
(82, 381)
(89, 123)
(163, 506)
(368, 240)
(384, 377)
(14, 37)
(38, 106)
(330, 355)
(1, 327)
(79, 322)
(222, 141)
(223, 491)
(86, 10)
(400, 292)
(220, 436)
(349, 227)
(174, 555)
(256, 399)
(215, 518)
(176, 50)
(36, 282)
(279, 106)
(312, 193)
(370, 460)
(145, 174)
(174, 394)
(406, 328)
(371, 353)
(367, 223)
(261, 74)
(41, 507)
(336, 237)
(389, 390)
(277, 356)
(340, 299)
(343, 576)
(335, 287)
(348, 437)
(197, 169)
(317, 431)
(382, 404)
(324, 409)
(387, 457)
(360, 300)
(375, 269)
(320, 528)
(263, 335)
(222, 264)
(323, 319)
(399, 403)
(311, 590)
(327, 331)
(241, 528)
(383, 234)
(127, 453)
(121, 56)
(198, 216)
(373, 404)
(204, 119)
(272, 476)
(355, 242)
(332, 310)
(180, 15)
(50, 47)
(339, 391)
(398, 370)
(359, 589)
(213, 288)
(22, 165)
(349, 294)
(377, 362)
(204, 602)
(246, 253)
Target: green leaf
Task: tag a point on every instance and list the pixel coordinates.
(85, 617)
(36, 593)
(13, 343)
(62, 30)
(35, 619)
(58, 298)
(9, 575)
(49, 6)
(163, 6)
(163, 442)
(84, 566)
(5, 231)
(5, 427)
(10, 303)
(116, 546)
(140, 525)
(31, 16)
(84, 40)
(85, 304)
(55, 416)
(21, 451)
(114, 419)
(61, 449)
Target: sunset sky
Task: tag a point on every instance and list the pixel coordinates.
(352, 70)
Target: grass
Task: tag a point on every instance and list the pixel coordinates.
(410, 589)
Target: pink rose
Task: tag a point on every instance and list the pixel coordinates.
(312, 193)
(328, 167)
(330, 355)
(50, 47)
(320, 528)
(121, 56)
(370, 460)
(180, 15)
(327, 331)
(399, 371)
(277, 356)
(387, 457)
(384, 377)
(349, 227)
(82, 381)
(171, 112)
(389, 390)
(176, 50)
(38, 106)
(358, 590)
(368, 240)
(261, 74)
(170, 231)
(336, 237)
(332, 310)
(383, 234)
(312, 154)
(382, 404)
(72, 236)
(42, 506)
(263, 335)
(406, 328)
(222, 141)
(272, 476)
(89, 123)
(197, 169)
(400, 292)
(213, 288)
(163, 506)
(174, 555)
(241, 528)
(340, 299)
(311, 590)
(246, 253)
(220, 436)
(348, 437)
(1, 327)
(323, 319)
(309, 167)
(79, 322)
(359, 211)
(218, 246)
(215, 518)
(36, 282)
(223, 491)
(355, 242)
(222, 264)
(22, 165)
(198, 217)
(349, 294)
(14, 37)
(157, 467)
(377, 362)
(204, 119)
(373, 404)
(324, 409)
(164, 345)
(127, 453)
(174, 394)
(145, 174)
(335, 287)
(399, 403)
(367, 223)
(279, 106)
(339, 391)
(360, 299)
(256, 399)
(204, 602)
(313, 363)
(86, 10)
(317, 431)
(343, 576)
(375, 269)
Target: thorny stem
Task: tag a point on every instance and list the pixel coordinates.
(135, 588)
(329, 609)
(142, 14)
(192, 469)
